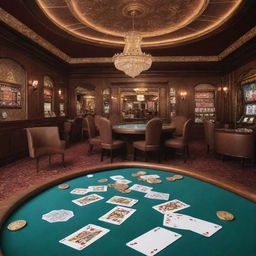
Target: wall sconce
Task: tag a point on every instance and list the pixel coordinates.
(225, 89)
(59, 92)
(183, 95)
(34, 84)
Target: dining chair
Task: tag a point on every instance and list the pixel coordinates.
(93, 140)
(152, 140)
(178, 123)
(107, 141)
(209, 128)
(181, 142)
(44, 141)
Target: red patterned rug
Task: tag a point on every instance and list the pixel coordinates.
(22, 173)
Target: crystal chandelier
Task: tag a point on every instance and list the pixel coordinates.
(132, 61)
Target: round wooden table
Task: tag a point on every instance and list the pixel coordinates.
(134, 132)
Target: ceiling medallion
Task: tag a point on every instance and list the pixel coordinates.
(132, 61)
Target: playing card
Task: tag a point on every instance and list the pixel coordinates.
(123, 181)
(152, 176)
(153, 241)
(196, 225)
(98, 188)
(84, 236)
(80, 191)
(176, 220)
(203, 227)
(157, 195)
(117, 215)
(117, 177)
(140, 188)
(58, 216)
(171, 206)
(120, 200)
(87, 199)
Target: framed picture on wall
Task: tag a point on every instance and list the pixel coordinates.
(10, 96)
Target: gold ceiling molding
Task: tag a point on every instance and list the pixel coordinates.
(29, 33)
(238, 43)
(26, 31)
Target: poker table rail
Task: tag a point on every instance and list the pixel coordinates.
(9, 205)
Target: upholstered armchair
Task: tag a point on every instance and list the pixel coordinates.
(152, 139)
(44, 141)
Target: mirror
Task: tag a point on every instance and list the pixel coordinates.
(138, 104)
(85, 101)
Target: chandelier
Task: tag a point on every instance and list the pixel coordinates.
(132, 61)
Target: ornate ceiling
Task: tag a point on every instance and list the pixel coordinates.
(161, 22)
(91, 31)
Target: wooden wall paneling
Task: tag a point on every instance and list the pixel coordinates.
(163, 108)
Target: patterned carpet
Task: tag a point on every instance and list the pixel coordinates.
(22, 173)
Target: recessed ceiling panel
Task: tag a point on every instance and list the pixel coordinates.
(161, 22)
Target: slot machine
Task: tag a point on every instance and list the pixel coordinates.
(249, 101)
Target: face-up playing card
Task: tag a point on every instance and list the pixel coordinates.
(176, 220)
(153, 241)
(80, 191)
(203, 227)
(84, 236)
(196, 225)
(157, 195)
(98, 188)
(152, 176)
(117, 177)
(120, 200)
(123, 181)
(140, 188)
(171, 206)
(87, 199)
(117, 215)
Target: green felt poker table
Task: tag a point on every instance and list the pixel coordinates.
(205, 196)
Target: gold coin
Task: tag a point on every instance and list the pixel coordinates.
(16, 225)
(170, 178)
(102, 180)
(141, 173)
(225, 215)
(63, 186)
(154, 181)
(178, 177)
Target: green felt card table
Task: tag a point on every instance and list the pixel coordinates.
(205, 196)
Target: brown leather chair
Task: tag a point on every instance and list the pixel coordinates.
(235, 144)
(209, 128)
(181, 142)
(152, 140)
(178, 123)
(94, 140)
(73, 130)
(97, 122)
(44, 141)
(107, 141)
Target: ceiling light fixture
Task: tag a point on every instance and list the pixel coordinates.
(132, 61)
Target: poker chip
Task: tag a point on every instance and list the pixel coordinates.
(63, 186)
(17, 225)
(102, 180)
(141, 173)
(154, 181)
(223, 215)
(178, 177)
(89, 175)
(170, 178)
